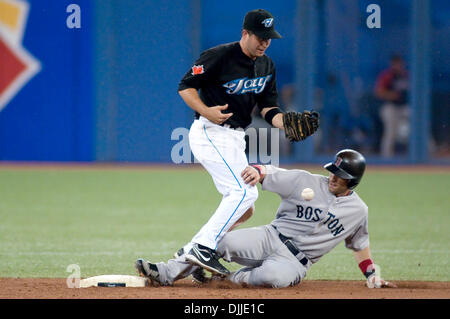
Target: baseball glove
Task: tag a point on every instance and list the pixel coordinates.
(298, 126)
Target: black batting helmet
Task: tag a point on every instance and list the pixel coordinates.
(348, 164)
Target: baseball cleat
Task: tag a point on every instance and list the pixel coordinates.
(149, 270)
(199, 276)
(206, 258)
(179, 253)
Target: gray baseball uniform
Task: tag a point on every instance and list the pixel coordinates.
(318, 225)
(314, 228)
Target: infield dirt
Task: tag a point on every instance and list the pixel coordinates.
(51, 288)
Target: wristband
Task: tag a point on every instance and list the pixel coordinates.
(259, 169)
(271, 114)
(367, 267)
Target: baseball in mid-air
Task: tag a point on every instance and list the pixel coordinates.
(307, 194)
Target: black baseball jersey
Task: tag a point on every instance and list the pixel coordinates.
(225, 75)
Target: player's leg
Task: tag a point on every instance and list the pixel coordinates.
(247, 215)
(247, 246)
(244, 218)
(165, 274)
(222, 153)
(198, 275)
(277, 271)
(269, 262)
(233, 206)
(390, 120)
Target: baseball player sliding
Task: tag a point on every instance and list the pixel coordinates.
(305, 228)
(223, 87)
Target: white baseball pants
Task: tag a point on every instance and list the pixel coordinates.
(221, 151)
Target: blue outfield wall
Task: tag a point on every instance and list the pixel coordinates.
(143, 48)
(50, 118)
(108, 91)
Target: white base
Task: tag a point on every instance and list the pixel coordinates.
(129, 281)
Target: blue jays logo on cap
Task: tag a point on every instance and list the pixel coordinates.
(267, 22)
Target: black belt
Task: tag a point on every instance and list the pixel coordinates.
(293, 249)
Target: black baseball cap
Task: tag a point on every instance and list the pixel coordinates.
(261, 23)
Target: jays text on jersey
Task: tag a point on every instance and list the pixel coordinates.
(225, 75)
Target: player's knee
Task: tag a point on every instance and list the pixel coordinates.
(274, 277)
(278, 280)
(251, 194)
(245, 195)
(270, 279)
(228, 246)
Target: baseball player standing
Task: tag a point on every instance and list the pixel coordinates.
(223, 87)
(279, 254)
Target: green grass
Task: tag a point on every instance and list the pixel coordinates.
(104, 219)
